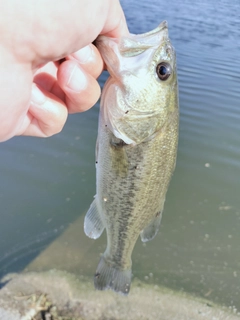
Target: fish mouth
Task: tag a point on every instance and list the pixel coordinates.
(132, 45)
(136, 44)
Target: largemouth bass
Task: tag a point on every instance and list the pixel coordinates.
(136, 148)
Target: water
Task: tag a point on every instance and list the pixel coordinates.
(48, 185)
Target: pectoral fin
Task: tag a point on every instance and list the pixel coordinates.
(93, 225)
(151, 230)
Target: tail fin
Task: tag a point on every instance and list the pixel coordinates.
(108, 277)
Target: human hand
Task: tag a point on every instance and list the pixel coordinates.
(37, 91)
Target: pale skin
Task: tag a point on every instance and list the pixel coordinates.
(37, 91)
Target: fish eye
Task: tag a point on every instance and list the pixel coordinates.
(164, 70)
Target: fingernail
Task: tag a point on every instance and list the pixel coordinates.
(84, 54)
(37, 95)
(77, 80)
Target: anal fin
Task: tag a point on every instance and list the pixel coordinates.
(151, 230)
(93, 225)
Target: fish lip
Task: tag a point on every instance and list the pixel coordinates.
(136, 44)
(161, 27)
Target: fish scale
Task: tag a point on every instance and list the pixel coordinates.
(136, 149)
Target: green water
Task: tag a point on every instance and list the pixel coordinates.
(48, 185)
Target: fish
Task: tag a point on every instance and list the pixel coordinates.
(136, 148)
